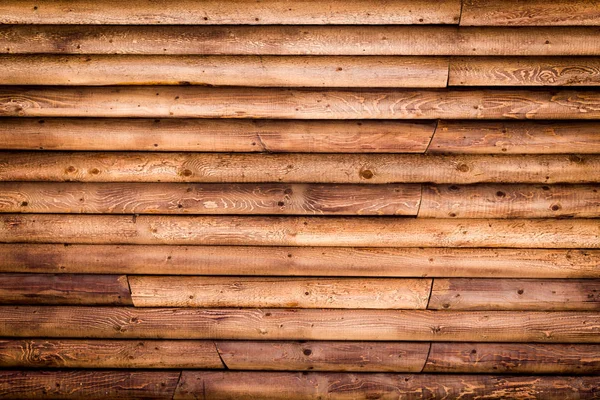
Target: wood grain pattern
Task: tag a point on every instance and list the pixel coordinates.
(299, 324)
(524, 71)
(267, 71)
(299, 40)
(514, 294)
(510, 201)
(284, 103)
(299, 231)
(212, 12)
(174, 198)
(64, 289)
(516, 137)
(297, 168)
(221, 385)
(513, 358)
(530, 12)
(374, 293)
(299, 261)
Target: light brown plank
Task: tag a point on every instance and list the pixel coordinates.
(299, 40)
(232, 12)
(374, 293)
(530, 12)
(299, 324)
(175, 198)
(514, 294)
(267, 71)
(299, 231)
(513, 358)
(515, 137)
(510, 201)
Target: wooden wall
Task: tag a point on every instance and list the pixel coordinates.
(286, 199)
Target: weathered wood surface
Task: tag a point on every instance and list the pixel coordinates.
(299, 261)
(178, 198)
(77, 384)
(213, 12)
(530, 12)
(516, 137)
(297, 168)
(299, 40)
(510, 201)
(514, 294)
(513, 358)
(64, 289)
(299, 231)
(220, 385)
(284, 103)
(299, 324)
(256, 292)
(274, 71)
(524, 71)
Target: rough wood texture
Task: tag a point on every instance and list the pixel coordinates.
(175, 198)
(299, 40)
(512, 137)
(299, 324)
(530, 12)
(299, 231)
(212, 12)
(297, 168)
(24, 384)
(214, 135)
(513, 358)
(64, 289)
(377, 293)
(278, 71)
(333, 386)
(73, 353)
(514, 294)
(524, 71)
(510, 201)
(282, 103)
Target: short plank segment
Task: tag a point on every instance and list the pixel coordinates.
(299, 261)
(221, 385)
(260, 71)
(255, 292)
(513, 358)
(175, 198)
(299, 231)
(514, 294)
(510, 201)
(299, 324)
(64, 289)
(516, 137)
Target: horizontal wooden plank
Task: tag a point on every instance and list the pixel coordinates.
(232, 12)
(530, 12)
(510, 201)
(267, 71)
(299, 261)
(374, 293)
(514, 294)
(524, 71)
(219, 385)
(299, 324)
(177, 198)
(64, 289)
(516, 137)
(297, 168)
(299, 231)
(299, 40)
(513, 358)
(284, 103)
